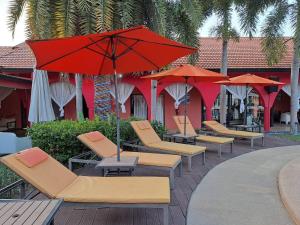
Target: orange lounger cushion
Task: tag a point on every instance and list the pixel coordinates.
(117, 190)
(95, 136)
(154, 159)
(32, 157)
(219, 128)
(213, 139)
(178, 148)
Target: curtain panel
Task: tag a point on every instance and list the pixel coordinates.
(240, 93)
(124, 92)
(177, 92)
(62, 93)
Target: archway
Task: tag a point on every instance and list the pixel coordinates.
(171, 107)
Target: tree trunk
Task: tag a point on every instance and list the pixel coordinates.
(79, 110)
(223, 88)
(294, 88)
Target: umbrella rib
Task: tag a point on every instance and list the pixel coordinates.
(67, 54)
(127, 50)
(99, 46)
(99, 53)
(140, 55)
(102, 63)
(153, 42)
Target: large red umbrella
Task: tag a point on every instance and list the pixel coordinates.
(188, 72)
(249, 80)
(121, 51)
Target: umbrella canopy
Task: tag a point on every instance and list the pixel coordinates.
(249, 79)
(132, 50)
(188, 71)
(121, 51)
(40, 109)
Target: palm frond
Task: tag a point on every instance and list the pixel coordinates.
(125, 12)
(273, 43)
(65, 17)
(15, 10)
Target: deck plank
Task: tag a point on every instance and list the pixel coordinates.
(22, 218)
(20, 211)
(37, 213)
(10, 212)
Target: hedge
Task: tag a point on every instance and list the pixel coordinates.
(59, 138)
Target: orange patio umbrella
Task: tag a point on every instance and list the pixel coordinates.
(249, 80)
(188, 72)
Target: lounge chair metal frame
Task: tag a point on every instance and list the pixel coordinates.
(194, 140)
(171, 170)
(164, 207)
(220, 146)
(140, 147)
(251, 139)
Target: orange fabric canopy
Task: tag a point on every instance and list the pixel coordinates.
(249, 79)
(188, 71)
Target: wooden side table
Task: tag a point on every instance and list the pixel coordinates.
(111, 165)
(35, 212)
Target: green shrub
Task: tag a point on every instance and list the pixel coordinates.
(59, 138)
(7, 176)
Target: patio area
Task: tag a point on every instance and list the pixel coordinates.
(180, 196)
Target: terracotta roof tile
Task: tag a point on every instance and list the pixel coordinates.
(17, 57)
(4, 50)
(243, 54)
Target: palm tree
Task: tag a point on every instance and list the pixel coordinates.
(224, 31)
(274, 45)
(248, 11)
(178, 19)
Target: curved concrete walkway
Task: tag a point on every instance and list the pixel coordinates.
(243, 191)
(289, 188)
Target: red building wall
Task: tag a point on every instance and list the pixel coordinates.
(11, 108)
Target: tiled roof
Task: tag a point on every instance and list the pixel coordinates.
(4, 50)
(243, 54)
(17, 57)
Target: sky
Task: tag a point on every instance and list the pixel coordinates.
(6, 38)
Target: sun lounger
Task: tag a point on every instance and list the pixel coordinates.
(150, 139)
(57, 182)
(179, 120)
(224, 131)
(104, 148)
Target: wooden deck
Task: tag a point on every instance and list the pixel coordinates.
(180, 196)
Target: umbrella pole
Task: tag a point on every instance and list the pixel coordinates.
(117, 109)
(246, 103)
(185, 106)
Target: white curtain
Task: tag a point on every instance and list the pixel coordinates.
(40, 103)
(62, 93)
(177, 91)
(139, 107)
(240, 93)
(287, 90)
(159, 116)
(124, 91)
(4, 93)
